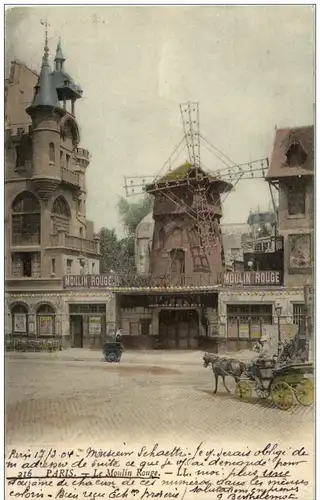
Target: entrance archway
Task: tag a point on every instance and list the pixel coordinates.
(179, 329)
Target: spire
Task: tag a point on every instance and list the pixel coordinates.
(59, 59)
(45, 92)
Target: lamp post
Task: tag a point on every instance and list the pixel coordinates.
(278, 308)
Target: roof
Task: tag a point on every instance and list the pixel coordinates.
(284, 138)
(187, 172)
(45, 92)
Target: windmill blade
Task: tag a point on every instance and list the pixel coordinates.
(190, 119)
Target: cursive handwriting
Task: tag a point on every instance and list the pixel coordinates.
(271, 472)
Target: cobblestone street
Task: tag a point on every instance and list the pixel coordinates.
(73, 395)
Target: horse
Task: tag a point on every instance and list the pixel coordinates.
(223, 367)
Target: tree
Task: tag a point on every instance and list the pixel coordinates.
(132, 213)
(118, 255)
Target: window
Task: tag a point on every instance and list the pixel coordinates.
(45, 320)
(61, 157)
(296, 195)
(19, 159)
(93, 268)
(296, 155)
(69, 266)
(25, 220)
(79, 205)
(81, 232)
(60, 214)
(53, 266)
(26, 259)
(246, 321)
(67, 160)
(51, 153)
(299, 315)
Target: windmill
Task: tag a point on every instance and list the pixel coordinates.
(208, 189)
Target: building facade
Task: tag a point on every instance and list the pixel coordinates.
(47, 234)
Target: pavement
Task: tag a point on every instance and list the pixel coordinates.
(54, 398)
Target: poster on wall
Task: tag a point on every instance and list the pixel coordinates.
(243, 330)
(94, 325)
(232, 330)
(20, 323)
(300, 251)
(46, 325)
(255, 331)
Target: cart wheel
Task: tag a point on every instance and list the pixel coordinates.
(282, 395)
(244, 390)
(112, 357)
(304, 392)
(262, 393)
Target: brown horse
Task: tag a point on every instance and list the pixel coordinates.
(223, 367)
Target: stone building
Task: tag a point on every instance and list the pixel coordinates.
(285, 264)
(47, 234)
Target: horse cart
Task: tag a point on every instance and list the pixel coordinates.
(284, 384)
(113, 350)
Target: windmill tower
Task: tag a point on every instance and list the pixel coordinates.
(187, 245)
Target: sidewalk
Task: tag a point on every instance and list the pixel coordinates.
(129, 356)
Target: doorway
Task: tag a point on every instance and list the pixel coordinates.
(76, 330)
(179, 329)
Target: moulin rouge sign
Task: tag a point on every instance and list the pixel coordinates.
(253, 278)
(89, 281)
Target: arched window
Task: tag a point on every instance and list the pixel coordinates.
(26, 220)
(162, 237)
(51, 152)
(46, 320)
(60, 214)
(19, 315)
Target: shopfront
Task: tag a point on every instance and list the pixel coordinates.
(250, 302)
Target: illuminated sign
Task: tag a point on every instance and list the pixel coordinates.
(253, 278)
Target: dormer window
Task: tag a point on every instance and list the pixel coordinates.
(296, 155)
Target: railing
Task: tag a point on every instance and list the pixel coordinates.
(83, 153)
(62, 239)
(70, 177)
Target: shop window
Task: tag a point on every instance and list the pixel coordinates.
(46, 319)
(51, 153)
(25, 220)
(145, 325)
(19, 314)
(296, 196)
(134, 328)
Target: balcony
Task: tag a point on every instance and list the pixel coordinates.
(69, 177)
(82, 153)
(61, 239)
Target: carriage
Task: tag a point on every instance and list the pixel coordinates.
(113, 349)
(284, 383)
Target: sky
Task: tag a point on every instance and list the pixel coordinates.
(250, 68)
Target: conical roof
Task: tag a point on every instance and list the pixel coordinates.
(45, 92)
(59, 53)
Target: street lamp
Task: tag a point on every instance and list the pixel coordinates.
(278, 309)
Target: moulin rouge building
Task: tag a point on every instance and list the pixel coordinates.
(53, 284)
